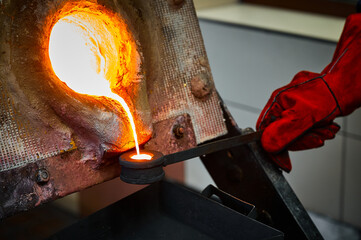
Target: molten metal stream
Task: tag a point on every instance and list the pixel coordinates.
(84, 54)
(130, 117)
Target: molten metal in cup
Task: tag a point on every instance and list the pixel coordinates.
(143, 168)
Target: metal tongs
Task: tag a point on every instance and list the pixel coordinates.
(149, 171)
(212, 147)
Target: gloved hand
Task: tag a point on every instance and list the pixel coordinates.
(300, 115)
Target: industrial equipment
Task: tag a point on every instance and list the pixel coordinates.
(62, 129)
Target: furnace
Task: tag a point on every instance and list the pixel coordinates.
(84, 82)
(73, 72)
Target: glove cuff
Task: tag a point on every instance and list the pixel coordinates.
(343, 75)
(334, 95)
(347, 93)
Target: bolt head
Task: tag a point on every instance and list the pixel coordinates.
(42, 176)
(202, 85)
(178, 131)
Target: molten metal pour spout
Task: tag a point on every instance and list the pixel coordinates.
(83, 52)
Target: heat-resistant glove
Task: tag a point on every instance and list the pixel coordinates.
(300, 115)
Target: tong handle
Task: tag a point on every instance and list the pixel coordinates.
(212, 147)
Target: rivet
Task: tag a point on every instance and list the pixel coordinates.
(42, 176)
(201, 85)
(178, 131)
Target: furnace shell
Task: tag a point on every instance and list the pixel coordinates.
(77, 138)
(47, 116)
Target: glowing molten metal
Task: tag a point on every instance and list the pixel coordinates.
(142, 156)
(91, 54)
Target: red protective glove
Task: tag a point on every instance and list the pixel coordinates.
(300, 115)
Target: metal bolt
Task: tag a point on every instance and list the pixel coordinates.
(178, 131)
(42, 176)
(202, 85)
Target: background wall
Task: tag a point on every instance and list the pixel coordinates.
(247, 65)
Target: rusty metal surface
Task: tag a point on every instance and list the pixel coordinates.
(75, 138)
(20, 143)
(166, 141)
(21, 189)
(184, 60)
(41, 116)
(46, 127)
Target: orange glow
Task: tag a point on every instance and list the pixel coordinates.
(92, 52)
(142, 156)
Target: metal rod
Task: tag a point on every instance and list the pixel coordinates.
(212, 147)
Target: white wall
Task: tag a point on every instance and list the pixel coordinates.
(200, 4)
(247, 65)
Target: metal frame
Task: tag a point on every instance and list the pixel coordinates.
(247, 173)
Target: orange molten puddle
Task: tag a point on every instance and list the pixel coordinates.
(92, 55)
(141, 157)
